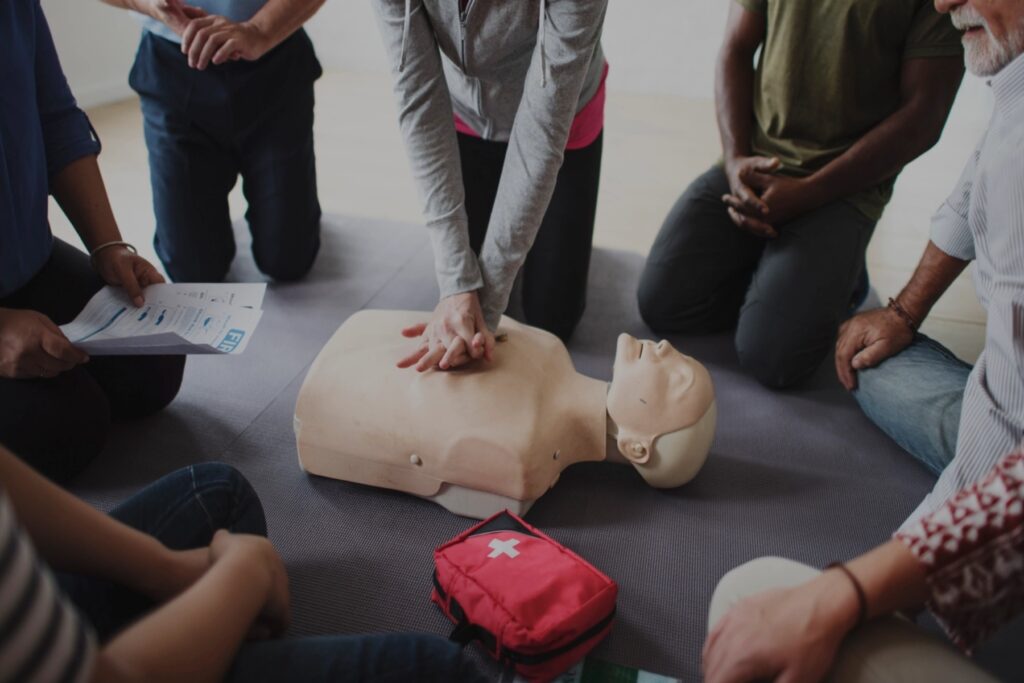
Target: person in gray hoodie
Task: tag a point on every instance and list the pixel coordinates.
(501, 109)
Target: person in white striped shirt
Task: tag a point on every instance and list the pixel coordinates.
(954, 418)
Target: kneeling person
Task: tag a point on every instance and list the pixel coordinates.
(773, 241)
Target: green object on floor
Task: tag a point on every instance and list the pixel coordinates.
(597, 671)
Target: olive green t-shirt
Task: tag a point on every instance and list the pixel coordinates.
(829, 72)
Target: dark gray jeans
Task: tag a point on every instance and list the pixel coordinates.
(786, 297)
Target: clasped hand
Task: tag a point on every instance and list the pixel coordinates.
(455, 335)
(761, 199)
(207, 38)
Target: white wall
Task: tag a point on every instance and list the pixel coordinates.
(96, 44)
(663, 47)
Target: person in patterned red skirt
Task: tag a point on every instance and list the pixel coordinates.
(964, 561)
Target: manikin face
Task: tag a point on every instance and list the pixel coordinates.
(655, 390)
(993, 31)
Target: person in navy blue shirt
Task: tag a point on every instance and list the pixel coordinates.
(56, 404)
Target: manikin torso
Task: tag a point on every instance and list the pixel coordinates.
(476, 440)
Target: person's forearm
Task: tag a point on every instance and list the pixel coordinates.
(80, 191)
(892, 578)
(195, 636)
(898, 139)
(72, 536)
(734, 101)
(278, 19)
(935, 272)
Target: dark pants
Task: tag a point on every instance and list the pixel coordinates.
(203, 129)
(554, 277)
(59, 425)
(183, 510)
(786, 297)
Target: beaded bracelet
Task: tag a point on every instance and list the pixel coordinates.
(902, 313)
(862, 598)
(115, 243)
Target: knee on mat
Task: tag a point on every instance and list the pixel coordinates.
(772, 360)
(156, 382)
(74, 436)
(752, 577)
(559, 323)
(286, 265)
(196, 270)
(665, 314)
(228, 498)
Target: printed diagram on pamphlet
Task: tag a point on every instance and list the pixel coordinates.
(176, 319)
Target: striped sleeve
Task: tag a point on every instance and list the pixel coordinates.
(951, 231)
(42, 638)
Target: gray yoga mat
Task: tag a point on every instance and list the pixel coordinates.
(800, 474)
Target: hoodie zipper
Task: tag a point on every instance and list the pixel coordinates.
(464, 6)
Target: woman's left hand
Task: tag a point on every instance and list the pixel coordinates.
(789, 636)
(119, 266)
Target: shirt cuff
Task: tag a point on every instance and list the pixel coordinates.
(952, 233)
(69, 139)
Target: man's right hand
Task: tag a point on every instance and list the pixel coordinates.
(867, 339)
(32, 346)
(746, 208)
(174, 13)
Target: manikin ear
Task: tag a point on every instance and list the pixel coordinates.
(635, 449)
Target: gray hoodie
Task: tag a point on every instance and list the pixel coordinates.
(515, 71)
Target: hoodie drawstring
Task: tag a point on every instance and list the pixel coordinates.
(543, 36)
(405, 34)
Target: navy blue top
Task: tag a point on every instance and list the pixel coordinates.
(42, 130)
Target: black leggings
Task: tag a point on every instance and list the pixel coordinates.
(59, 425)
(554, 277)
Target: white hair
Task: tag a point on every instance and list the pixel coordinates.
(987, 58)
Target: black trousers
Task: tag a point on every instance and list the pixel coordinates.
(205, 128)
(554, 277)
(786, 297)
(59, 425)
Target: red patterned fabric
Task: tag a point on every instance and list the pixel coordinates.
(973, 551)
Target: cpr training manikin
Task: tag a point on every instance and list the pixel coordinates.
(496, 435)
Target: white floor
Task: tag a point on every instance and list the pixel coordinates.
(654, 146)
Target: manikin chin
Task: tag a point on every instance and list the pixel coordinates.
(496, 435)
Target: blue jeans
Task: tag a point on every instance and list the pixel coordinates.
(183, 510)
(915, 398)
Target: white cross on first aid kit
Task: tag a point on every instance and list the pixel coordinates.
(499, 548)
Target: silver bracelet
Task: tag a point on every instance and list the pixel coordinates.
(116, 243)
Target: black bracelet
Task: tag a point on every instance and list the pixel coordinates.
(902, 313)
(862, 598)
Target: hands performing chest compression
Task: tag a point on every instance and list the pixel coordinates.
(455, 335)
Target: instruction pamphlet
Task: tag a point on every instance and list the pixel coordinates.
(176, 319)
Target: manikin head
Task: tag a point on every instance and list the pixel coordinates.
(993, 32)
(663, 405)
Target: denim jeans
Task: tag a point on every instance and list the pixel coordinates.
(915, 398)
(183, 510)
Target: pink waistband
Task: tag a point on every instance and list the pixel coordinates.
(585, 127)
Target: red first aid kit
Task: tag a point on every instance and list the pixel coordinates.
(531, 602)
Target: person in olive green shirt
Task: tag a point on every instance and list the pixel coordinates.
(772, 239)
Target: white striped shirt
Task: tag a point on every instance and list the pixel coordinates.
(983, 220)
(42, 638)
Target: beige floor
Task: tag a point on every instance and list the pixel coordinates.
(653, 147)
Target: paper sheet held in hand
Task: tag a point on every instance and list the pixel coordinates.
(176, 319)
